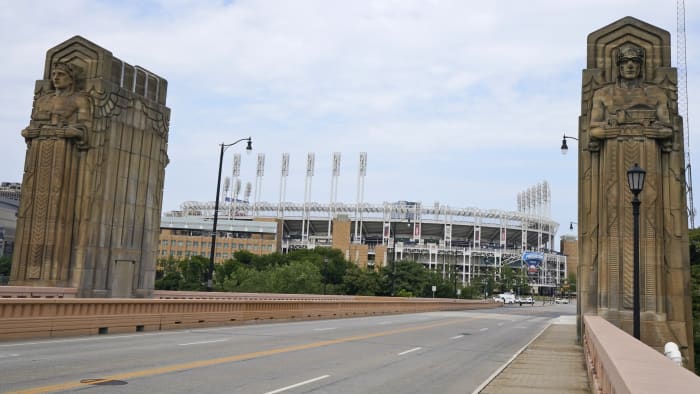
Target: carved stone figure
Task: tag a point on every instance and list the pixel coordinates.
(58, 131)
(89, 214)
(629, 115)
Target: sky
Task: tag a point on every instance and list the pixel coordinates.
(458, 102)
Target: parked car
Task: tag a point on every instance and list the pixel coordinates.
(506, 298)
(527, 300)
(561, 301)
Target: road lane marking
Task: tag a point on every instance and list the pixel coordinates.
(324, 329)
(238, 357)
(8, 355)
(202, 342)
(484, 329)
(410, 350)
(298, 384)
(457, 336)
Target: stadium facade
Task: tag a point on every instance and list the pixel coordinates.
(473, 243)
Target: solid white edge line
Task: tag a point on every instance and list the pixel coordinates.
(507, 363)
(457, 336)
(324, 329)
(410, 350)
(201, 342)
(297, 385)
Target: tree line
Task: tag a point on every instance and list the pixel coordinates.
(326, 271)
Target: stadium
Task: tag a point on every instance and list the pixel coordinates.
(471, 242)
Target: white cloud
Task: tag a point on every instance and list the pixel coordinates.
(455, 101)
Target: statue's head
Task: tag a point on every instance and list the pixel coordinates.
(629, 59)
(64, 75)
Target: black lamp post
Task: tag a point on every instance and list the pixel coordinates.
(393, 256)
(210, 274)
(564, 147)
(393, 253)
(325, 273)
(571, 225)
(635, 180)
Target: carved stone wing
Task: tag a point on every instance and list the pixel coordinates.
(107, 104)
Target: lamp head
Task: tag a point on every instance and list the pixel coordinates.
(564, 147)
(635, 179)
(249, 147)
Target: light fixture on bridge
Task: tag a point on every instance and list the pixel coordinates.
(564, 147)
(635, 181)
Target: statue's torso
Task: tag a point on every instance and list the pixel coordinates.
(57, 110)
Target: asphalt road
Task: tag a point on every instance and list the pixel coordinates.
(437, 352)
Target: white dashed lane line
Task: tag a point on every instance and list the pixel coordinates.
(297, 384)
(410, 350)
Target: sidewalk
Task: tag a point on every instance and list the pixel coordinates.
(552, 363)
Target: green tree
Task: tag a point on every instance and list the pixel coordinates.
(5, 265)
(244, 257)
(168, 275)
(358, 281)
(297, 277)
(194, 273)
(572, 282)
(407, 275)
(247, 280)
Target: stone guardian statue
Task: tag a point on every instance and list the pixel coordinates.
(630, 115)
(89, 215)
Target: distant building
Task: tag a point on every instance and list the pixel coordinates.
(10, 190)
(569, 248)
(9, 205)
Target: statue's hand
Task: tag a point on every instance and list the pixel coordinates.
(603, 131)
(659, 130)
(72, 132)
(30, 133)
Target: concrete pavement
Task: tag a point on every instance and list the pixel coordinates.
(552, 363)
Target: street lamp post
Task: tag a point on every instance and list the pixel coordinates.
(325, 273)
(393, 252)
(564, 147)
(393, 256)
(210, 274)
(635, 180)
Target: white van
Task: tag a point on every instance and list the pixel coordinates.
(507, 298)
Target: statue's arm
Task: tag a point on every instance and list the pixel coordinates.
(79, 130)
(597, 120)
